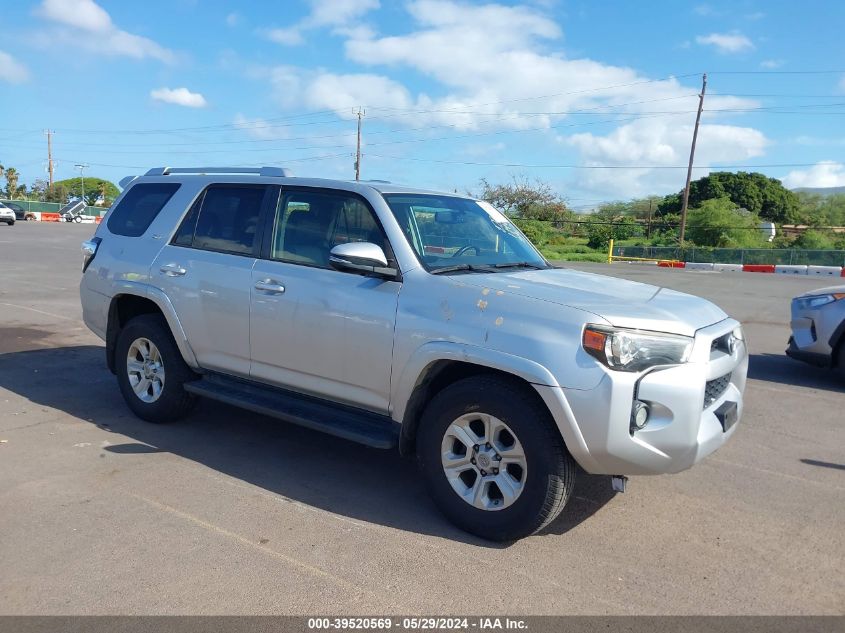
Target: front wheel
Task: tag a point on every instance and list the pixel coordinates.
(11, 223)
(492, 459)
(151, 372)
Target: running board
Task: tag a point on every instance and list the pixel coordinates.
(357, 425)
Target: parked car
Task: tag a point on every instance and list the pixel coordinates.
(818, 328)
(398, 317)
(7, 215)
(20, 212)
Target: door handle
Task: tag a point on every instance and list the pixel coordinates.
(173, 270)
(270, 286)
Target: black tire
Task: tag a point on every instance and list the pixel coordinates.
(840, 360)
(174, 402)
(11, 223)
(550, 468)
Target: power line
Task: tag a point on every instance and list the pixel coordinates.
(550, 166)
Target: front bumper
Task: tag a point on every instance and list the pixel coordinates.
(683, 427)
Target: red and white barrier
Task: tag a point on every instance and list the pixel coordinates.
(790, 270)
(699, 266)
(825, 271)
(780, 269)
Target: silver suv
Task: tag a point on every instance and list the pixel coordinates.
(403, 318)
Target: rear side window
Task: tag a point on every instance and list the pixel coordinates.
(139, 207)
(225, 219)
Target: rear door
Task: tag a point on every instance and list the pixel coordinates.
(206, 271)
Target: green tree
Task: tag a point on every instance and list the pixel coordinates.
(814, 240)
(526, 199)
(600, 232)
(759, 194)
(719, 222)
(93, 188)
(12, 188)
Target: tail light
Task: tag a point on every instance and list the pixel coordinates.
(89, 250)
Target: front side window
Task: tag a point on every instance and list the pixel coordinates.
(310, 223)
(139, 207)
(224, 219)
(458, 233)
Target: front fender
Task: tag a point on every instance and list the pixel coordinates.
(429, 353)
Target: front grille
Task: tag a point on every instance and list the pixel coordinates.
(715, 388)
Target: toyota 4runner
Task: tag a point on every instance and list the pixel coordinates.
(396, 317)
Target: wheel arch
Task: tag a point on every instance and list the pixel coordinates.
(134, 302)
(437, 365)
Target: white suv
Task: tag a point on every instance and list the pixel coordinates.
(403, 318)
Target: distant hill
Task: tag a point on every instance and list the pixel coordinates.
(824, 191)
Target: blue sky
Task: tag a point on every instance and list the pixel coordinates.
(597, 99)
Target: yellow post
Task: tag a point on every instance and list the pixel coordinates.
(610, 252)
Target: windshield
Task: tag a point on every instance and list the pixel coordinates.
(458, 234)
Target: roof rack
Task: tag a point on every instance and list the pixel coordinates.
(278, 172)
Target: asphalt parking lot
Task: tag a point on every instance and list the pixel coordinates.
(233, 513)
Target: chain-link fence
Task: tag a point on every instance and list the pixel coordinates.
(53, 207)
(776, 256)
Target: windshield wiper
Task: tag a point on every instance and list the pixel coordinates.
(460, 267)
(520, 265)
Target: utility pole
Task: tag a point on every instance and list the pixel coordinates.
(650, 202)
(692, 157)
(49, 134)
(360, 114)
(81, 167)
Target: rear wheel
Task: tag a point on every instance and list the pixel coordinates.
(151, 372)
(840, 360)
(493, 461)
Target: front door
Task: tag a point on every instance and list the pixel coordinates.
(314, 329)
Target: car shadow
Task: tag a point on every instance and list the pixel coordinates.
(307, 466)
(782, 369)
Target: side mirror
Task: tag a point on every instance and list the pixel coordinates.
(361, 257)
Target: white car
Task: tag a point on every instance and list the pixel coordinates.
(6, 214)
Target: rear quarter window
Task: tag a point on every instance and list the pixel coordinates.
(139, 207)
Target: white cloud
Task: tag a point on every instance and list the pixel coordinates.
(259, 129)
(659, 142)
(82, 14)
(234, 19)
(291, 36)
(179, 96)
(826, 173)
(704, 10)
(85, 23)
(12, 70)
(339, 14)
(733, 42)
(771, 63)
(842, 85)
(493, 84)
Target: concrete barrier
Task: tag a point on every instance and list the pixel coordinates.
(758, 268)
(671, 264)
(699, 266)
(824, 271)
(51, 217)
(784, 269)
(728, 268)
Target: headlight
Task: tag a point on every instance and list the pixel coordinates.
(817, 301)
(635, 350)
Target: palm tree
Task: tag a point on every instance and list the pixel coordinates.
(11, 182)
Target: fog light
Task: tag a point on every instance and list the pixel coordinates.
(639, 416)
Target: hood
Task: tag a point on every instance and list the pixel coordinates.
(620, 302)
(830, 290)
